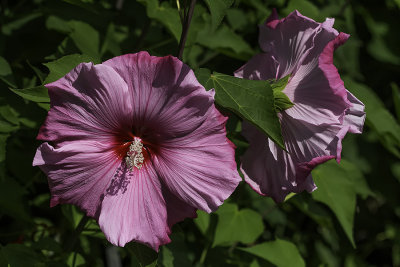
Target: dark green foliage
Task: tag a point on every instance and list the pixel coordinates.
(353, 219)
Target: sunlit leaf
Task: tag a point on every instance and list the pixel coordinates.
(236, 225)
(75, 259)
(86, 38)
(281, 253)
(202, 221)
(252, 100)
(224, 38)
(35, 94)
(164, 14)
(337, 190)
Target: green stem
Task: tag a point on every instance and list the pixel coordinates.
(185, 28)
(204, 255)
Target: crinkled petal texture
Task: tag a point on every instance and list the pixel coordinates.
(96, 113)
(323, 112)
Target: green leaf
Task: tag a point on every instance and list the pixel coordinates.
(236, 225)
(35, 94)
(5, 68)
(58, 24)
(396, 99)
(164, 14)
(314, 210)
(20, 255)
(72, 214)
(8, 28)
(9, 120)
(378, 117)
(236, 18)
(305, 7)
(224, 37)
(202, 221)
(218, 10)
(279, 252)
(6, 73)
(11, 200)
(203, 75)
(380, 32)
(336, 190)
(357, 178)
(86, 38)
(62, 66)
(177, 252)
(75, 259)
(142, 254)
(250, 99)
(112, 40)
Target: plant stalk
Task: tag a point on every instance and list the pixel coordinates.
(185, 28)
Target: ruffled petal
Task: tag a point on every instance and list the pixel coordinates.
(288, 41)
(273, 172)
(355, 115)
(200, 168)
(89, 103)
(78, 172)
(134, 208)
(165, 94)
(260, 67)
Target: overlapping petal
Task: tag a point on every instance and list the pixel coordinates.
(134, 208)
(323, 112)
(200, 167)
(97, 111)
(86, 105)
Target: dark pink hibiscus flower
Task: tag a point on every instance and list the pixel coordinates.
(323, 112)
(137, 143)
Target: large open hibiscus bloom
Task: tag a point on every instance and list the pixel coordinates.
(137, 143)
(323, 112)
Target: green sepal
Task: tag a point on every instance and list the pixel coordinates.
(281, 101)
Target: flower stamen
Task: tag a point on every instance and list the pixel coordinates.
(134, 157)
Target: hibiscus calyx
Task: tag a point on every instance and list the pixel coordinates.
(281, 100)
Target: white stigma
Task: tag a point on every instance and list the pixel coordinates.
(134, 157)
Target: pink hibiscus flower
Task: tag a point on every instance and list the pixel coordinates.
(323, 112)
(137, 143)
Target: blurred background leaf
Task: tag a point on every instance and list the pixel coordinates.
(42, 40)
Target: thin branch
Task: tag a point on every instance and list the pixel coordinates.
(185, 28)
